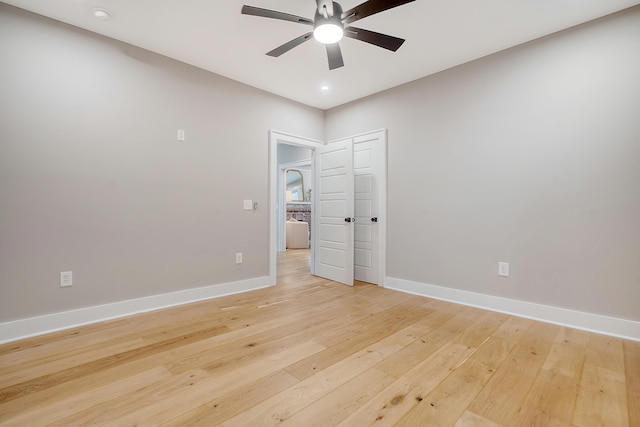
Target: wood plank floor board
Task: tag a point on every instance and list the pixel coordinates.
(447, 402)
(355, 340)
(481, 329)
(263, 341)
(513, 328)
(429, 343)
(434, 338)
(179, 400)
(36, 407)
(602, 398)
(83, 368)
(469, 419)
(389, 406)
(605, 352)
(273, 338)
(632, 375)
(118, 397)
(312, 352)
(290, 401)
(58, 339)
(28, 355)
(62, 360)
(510, 384)
(234, 402)
(344, 400)
(560, 373)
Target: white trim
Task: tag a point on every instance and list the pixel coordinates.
(621, 328)
(276, 137)
(24, 328)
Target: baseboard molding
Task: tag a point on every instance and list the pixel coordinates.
(24, 328)
(621, 328)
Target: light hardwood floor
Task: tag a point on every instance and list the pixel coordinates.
(311, 352)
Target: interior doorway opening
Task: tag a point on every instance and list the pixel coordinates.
(290, 152)
(295, 204)
(295, 179)
(348, 236)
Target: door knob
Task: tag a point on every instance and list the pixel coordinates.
(374, 219)
(349, 220)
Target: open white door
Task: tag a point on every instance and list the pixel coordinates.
(334, 222)
(370, 180)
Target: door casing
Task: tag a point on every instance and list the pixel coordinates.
(276, 137)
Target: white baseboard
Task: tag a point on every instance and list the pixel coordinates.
(24, 328)
(621, 328)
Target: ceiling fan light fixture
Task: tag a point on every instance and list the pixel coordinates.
(329, 27)
(328, 33)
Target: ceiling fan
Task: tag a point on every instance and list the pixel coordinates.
(329, 26)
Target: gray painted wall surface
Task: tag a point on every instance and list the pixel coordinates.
(291, 153)
(530, 156)
(93, 180)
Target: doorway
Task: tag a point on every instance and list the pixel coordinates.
(348, 236)
(295, 185)
(277, 202)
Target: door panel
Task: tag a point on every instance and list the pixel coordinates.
(333, 233)
(368, 156)
(364, 183)
(335, 191)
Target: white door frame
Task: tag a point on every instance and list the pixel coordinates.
(276, 137)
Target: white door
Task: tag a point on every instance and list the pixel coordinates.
(369, 174)
(335, 212)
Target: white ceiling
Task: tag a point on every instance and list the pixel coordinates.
(215, 36)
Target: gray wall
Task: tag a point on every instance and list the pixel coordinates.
(291, 153)
(530, 156)
(93, 180)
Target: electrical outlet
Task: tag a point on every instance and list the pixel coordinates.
(180, 135)
(66, 279)
(239, 258)
(503, 269)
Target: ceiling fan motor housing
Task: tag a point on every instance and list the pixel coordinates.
(335, 19)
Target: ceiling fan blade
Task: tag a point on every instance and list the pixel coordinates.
(290, 45)
(335, 56)
(378, 39)
(266, 13)
(369, 8)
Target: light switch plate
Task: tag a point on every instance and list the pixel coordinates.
(66, 279)
(248, 205)
(503, 269)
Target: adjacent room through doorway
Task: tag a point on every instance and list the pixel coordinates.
(294, 188)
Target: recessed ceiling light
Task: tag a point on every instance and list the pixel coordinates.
(324, 88)
(101, 14)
